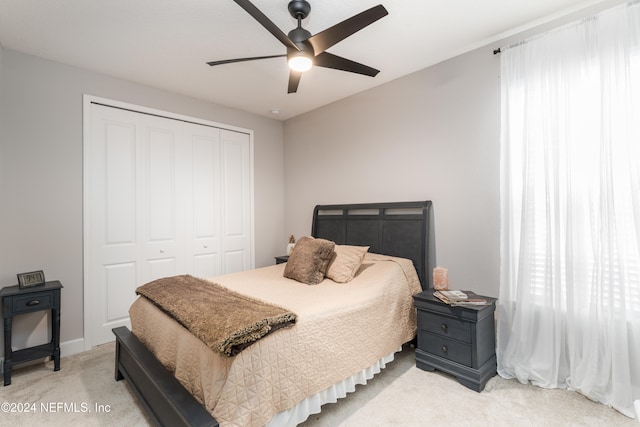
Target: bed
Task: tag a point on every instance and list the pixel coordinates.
(282, 378)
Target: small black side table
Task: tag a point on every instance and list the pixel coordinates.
(282, 259)
(19, 301)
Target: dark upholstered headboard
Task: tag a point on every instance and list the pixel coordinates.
(402, 229)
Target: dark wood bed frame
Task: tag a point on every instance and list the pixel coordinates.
(402, 229)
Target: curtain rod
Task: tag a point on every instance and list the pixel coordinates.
(595, 16)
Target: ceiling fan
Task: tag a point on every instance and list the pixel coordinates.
(305, 50)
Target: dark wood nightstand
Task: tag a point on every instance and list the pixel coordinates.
(282, 259)
(456, 340)
(19, 301)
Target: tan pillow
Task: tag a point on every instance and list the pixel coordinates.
(308, 260)
(346, 262)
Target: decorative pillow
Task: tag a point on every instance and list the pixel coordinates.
(346, 262)
(308, 260)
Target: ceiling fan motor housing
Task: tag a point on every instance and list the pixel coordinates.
(299, 35)
(299, 9)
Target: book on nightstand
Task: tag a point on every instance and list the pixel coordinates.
(461, 299)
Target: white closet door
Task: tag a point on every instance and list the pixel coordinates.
(162, 197)
(166, 197)
(203, 214)
(236, 202)
(114, 234)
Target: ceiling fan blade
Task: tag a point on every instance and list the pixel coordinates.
(266, 23)
(327, 38)
(294, 81)
(230, 61)
(329, 60)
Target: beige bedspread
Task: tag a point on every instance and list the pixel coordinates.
(341, 329)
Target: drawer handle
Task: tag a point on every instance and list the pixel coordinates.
(444, 349)
(443, 327)
(33, 302)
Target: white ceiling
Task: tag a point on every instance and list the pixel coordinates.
(165, 43)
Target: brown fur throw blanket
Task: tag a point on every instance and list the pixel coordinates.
(224, 320)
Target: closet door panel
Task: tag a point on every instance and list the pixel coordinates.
(162, 267)
(234, 261)
(161, 185)
(204, 217)
(207, 265)
(113, 239)
(119, 150)
(236, 204)
(160, 215)
(119, 279)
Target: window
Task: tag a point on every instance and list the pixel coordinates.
(569, 306)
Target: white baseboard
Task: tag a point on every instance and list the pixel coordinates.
(72, 347)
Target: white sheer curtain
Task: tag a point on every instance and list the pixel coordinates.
(569, 303)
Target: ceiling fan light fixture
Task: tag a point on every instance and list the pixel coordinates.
(300, 61)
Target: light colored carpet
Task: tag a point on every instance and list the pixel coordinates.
(82, 393)
(401, 395)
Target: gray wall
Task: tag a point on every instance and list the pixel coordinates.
(41, 175)
(433, 135)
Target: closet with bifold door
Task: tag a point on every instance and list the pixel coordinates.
(163, 196)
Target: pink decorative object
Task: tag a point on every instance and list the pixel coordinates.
(441, 279)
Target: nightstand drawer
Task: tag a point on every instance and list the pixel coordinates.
(446, 348)
(32, 302)
(445, 326)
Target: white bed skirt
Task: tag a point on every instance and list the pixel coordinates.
(311, 405)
